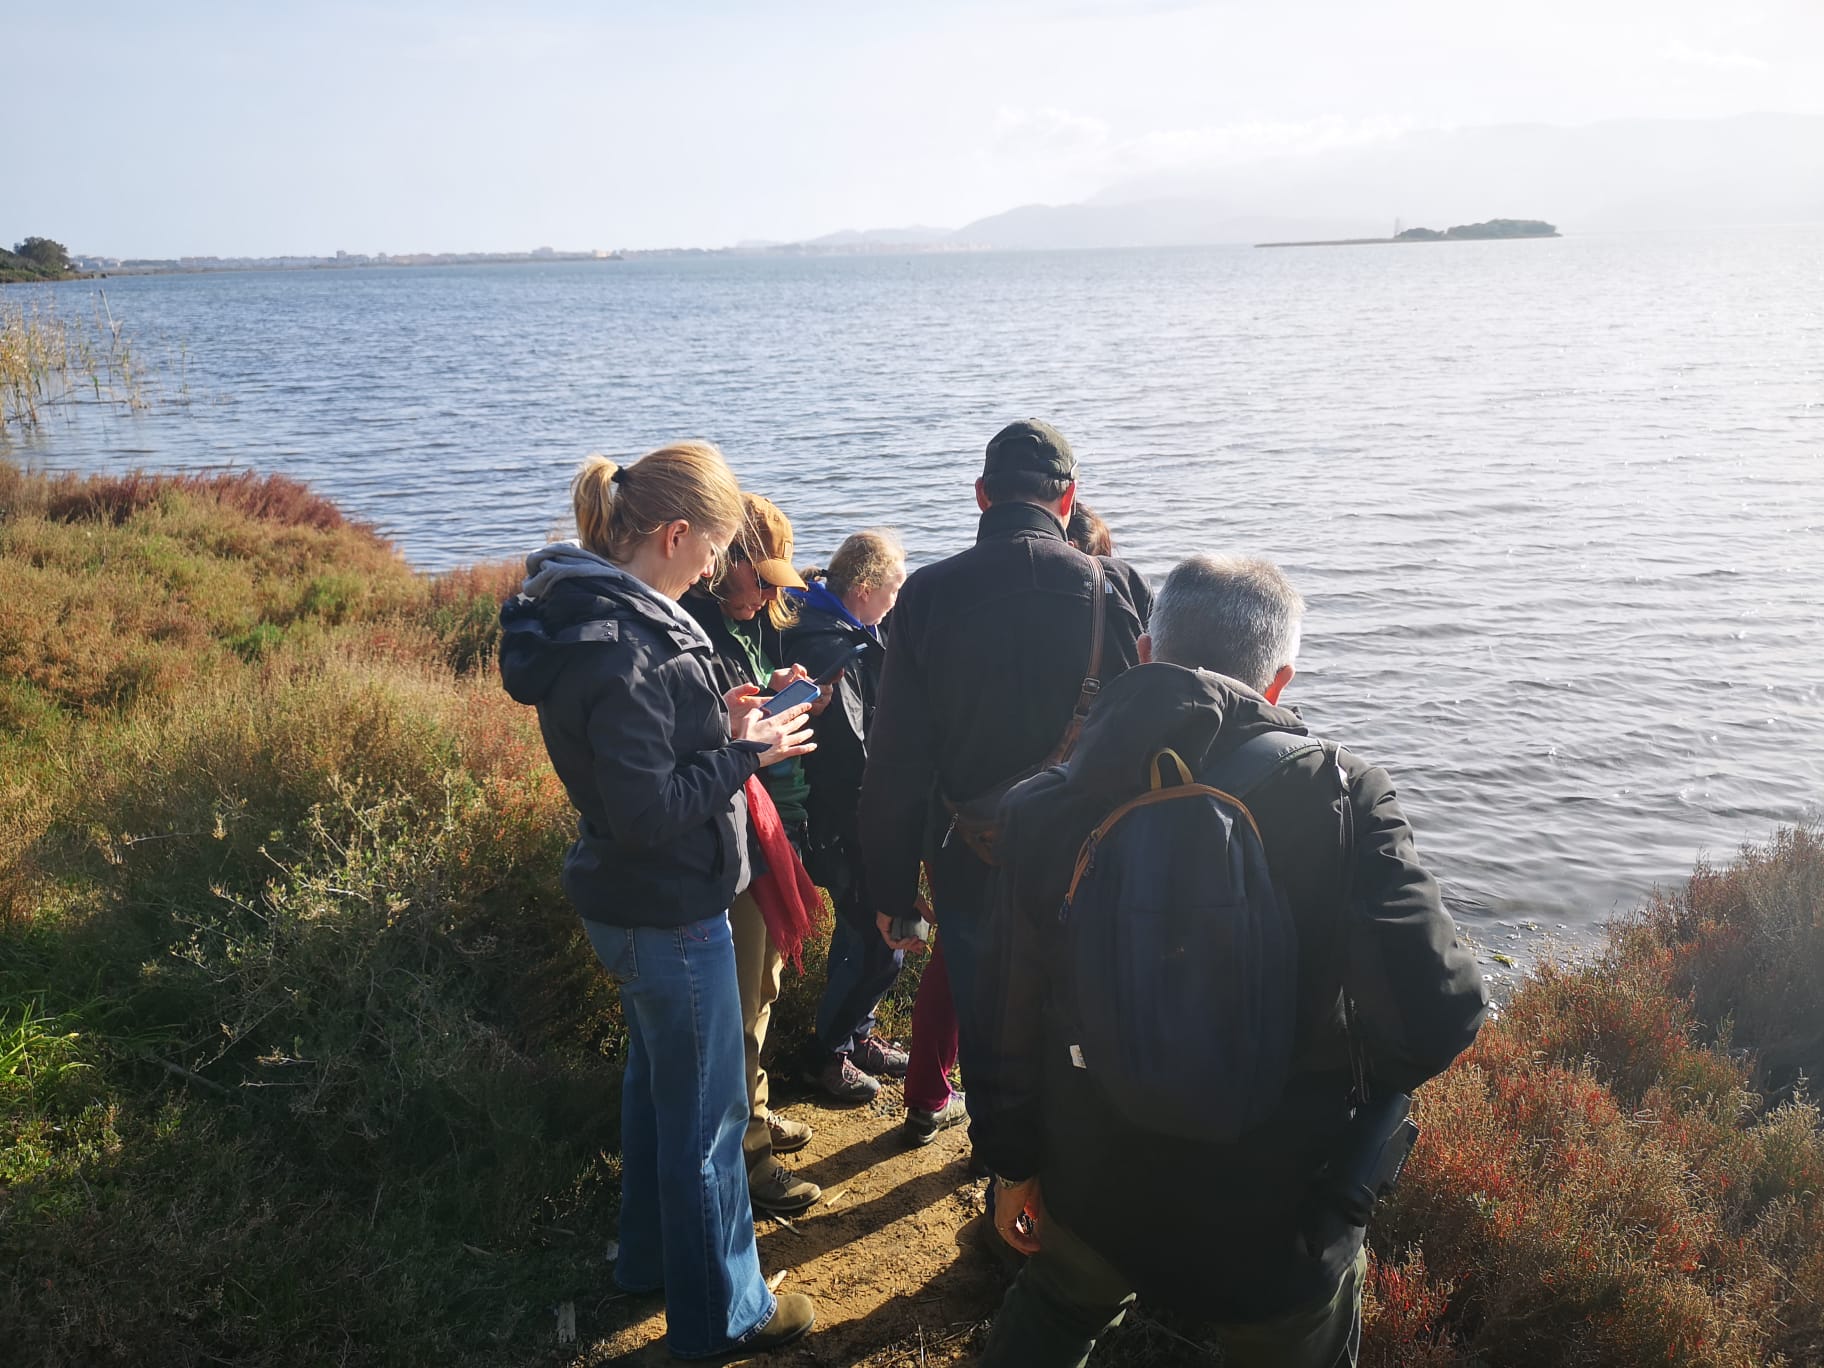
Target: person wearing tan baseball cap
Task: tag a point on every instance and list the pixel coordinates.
(765, 542)
(742, 614)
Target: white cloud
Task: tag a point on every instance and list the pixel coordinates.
(1254, 140)
(1054, 143)
(1048, 133)
(1686, 55)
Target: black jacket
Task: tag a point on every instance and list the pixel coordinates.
(731, 665)
(1232, 1231)
(990, 647)
(818, 640)
(638, 732)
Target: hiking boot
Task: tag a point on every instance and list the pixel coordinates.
(792, 1318)
(882, 1058)
(793, 1315)
(776, 1190)
(789, 1136)
(922, 1126)
(843, 1081)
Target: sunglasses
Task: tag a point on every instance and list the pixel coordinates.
(738, 556)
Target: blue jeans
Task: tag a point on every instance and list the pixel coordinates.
(960, 900)
(862, 968)
(686, 1224)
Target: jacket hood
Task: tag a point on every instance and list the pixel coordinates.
(819, 598)
(1198, 713)
(572, 596)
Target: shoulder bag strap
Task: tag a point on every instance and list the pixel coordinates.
(1092, 678)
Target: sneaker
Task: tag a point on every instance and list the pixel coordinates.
(776, 1190)
(922, 1126)
(882, 1058)
(843, 1081)
(789, 1136)
(793, 1315)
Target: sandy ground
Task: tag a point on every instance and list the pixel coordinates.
(896, 1278)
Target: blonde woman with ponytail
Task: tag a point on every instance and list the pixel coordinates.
(653, 754)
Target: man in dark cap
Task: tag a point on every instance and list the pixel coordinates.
(997, 653)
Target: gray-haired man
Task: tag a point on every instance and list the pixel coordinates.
(1241, 1234)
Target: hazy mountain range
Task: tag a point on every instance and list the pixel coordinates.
(1625, 174)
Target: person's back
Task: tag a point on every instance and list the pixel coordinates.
(1240, 1233)
(989, 655)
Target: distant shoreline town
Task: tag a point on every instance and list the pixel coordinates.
(187, 265)
(848, 243)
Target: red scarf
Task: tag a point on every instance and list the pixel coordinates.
(789, 901)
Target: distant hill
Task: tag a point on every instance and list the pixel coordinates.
(1150, 223)
(1624, 174)
(916, 236)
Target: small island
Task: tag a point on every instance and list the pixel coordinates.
(1492, 230)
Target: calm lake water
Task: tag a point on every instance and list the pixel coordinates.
(1557, 506)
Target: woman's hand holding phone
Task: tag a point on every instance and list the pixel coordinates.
(785, 676)
(742, 700)
(786, 734)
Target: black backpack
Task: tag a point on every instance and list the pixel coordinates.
(1180, 953)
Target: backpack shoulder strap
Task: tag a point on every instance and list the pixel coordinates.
(1255, 760)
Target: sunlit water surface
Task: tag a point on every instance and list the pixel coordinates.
(1556, 506)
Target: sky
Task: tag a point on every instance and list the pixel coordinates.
(268, 128)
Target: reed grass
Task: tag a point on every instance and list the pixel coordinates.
(49, 358)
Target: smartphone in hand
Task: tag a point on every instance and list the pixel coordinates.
(798, 691)
(848, 658)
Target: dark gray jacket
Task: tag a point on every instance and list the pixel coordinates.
(638, 733)
(989, 651)
(1232, 1231)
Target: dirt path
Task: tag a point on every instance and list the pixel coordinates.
(880, 1254)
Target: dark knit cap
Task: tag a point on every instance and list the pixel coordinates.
(1030, 447)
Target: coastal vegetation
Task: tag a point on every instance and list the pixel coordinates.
(303, 1058)
(36, 258)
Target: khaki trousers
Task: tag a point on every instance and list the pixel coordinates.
(759, 968)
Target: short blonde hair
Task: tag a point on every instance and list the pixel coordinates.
(618, 507)
(865, 560)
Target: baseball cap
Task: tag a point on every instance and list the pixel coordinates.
(766, 540)
(1032, 447)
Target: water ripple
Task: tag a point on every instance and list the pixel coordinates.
(1557, 511)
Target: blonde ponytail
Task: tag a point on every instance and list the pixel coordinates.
(619, 506)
